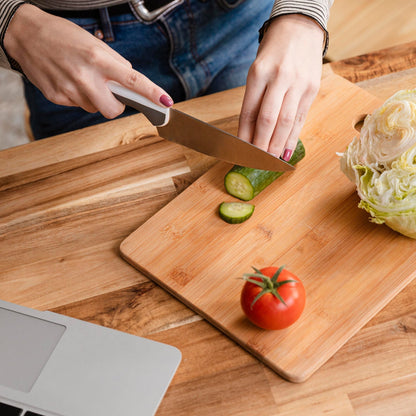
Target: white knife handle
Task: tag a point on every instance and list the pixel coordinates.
(156, 114)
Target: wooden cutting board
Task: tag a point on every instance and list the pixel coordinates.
(307, 220)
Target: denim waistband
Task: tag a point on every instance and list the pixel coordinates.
(116, 10)
(144, 10)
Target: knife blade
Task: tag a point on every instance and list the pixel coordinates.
(181, 128)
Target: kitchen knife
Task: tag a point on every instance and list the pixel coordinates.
(188, 131)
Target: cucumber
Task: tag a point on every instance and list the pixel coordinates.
(246, 183)
(235, 212)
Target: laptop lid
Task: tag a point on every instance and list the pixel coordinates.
(51, 364)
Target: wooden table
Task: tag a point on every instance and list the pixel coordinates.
(67, 202)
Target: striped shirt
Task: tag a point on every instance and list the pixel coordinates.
(316, 9)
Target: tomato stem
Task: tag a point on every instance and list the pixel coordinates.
(267, 284)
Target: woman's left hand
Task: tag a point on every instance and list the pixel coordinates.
(282, 83)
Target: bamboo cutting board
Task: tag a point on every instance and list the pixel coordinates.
(307, 220)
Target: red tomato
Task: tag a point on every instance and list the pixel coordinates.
(260, 298)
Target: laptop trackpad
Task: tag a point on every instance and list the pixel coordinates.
(26, 344)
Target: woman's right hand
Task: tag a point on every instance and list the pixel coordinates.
(70, 66)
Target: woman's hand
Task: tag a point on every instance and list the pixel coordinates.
(282, 83)
(70, 66)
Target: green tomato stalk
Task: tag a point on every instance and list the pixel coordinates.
(267, 284)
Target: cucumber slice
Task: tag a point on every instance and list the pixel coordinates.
(246, 183)
(236, 212)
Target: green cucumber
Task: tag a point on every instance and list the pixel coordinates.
(235, 212)
(246, 183)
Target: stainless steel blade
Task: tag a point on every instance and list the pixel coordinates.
(212, 141)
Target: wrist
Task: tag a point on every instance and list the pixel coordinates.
(19, 28)
(297, 23)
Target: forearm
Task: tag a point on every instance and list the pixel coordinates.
(7, 11)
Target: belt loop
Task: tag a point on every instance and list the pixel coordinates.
(106, 25)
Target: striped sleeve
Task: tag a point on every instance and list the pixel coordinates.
(316, 9)
(7, 10)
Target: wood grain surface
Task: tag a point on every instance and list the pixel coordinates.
(59, 251)
(358, 27)
(308, 220)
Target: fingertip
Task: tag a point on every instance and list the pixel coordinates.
(166, 100)
(244, 132)
(287, 154)
(113, 111)
(276, 148)
(261, 144)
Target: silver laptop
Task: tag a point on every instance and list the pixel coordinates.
(53, 365)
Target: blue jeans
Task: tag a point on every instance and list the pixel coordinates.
(198, 48)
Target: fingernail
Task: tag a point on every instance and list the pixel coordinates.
(287, 155)
(166, 100)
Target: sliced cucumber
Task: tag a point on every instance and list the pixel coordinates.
(236, 212)
(246, 183)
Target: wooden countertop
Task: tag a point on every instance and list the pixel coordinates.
(68, 201)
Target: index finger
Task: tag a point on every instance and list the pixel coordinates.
(139, 83)
(253, 97)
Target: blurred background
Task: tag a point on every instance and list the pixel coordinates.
(355, 27)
